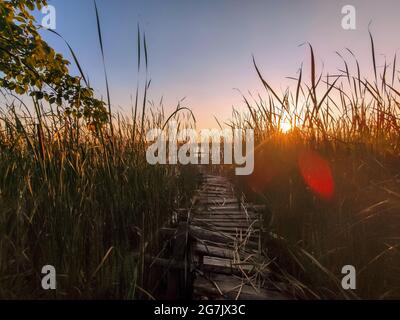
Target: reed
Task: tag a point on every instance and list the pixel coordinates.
(73, 199)
(351, 124)
(80, 195)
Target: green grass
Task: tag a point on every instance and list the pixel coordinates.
(78, 193)
(81, 201)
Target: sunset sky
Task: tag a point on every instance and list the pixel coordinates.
(202, 50)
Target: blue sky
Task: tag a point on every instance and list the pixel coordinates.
(202, 50)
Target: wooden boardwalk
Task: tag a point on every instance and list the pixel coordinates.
(224, 257)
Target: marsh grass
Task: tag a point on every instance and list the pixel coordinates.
(353, 124)
(80, 195)
(73, 199)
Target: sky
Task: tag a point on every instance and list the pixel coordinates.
(202, 50)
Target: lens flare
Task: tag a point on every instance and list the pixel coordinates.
(317, 174)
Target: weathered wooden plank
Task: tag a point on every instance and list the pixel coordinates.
(223, 237)
(227, 245)
(270, 286)
(233, 288)
(218, 197)
(226, 208)
(240, 236)
(213, 251)
(216, 189)
(226, 266)
(223, 210)
(220, 252)
(231, 207)
(232, 227)
(226, 198)
(231, 212)
(216, 202)
(225, 216)
(228, 221)
(201, 233)
(237, 244)
(216, 192)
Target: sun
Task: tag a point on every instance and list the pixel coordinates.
(285, 127)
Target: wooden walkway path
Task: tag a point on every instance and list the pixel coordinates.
(224, 237)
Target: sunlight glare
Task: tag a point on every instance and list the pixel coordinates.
(285, 127)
